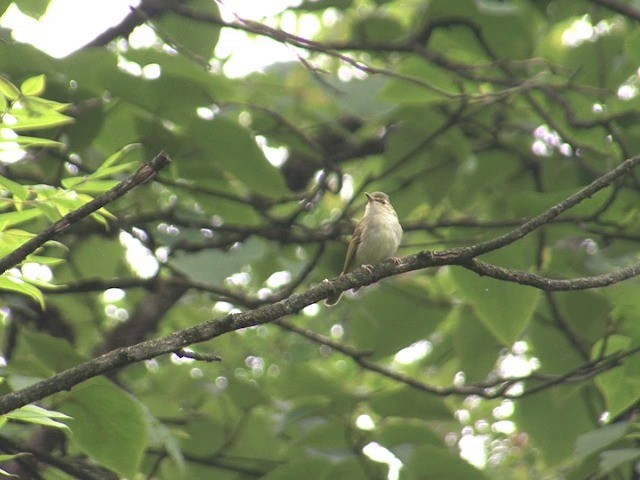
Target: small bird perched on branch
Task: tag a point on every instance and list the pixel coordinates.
(375, 239)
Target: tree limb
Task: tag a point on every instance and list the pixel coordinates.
(143, 175)
(121, 357)
(551, 284)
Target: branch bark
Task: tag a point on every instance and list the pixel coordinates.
(551, 284)
(121, 357)
(143, 175)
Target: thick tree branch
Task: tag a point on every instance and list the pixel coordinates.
(143, 175)
(361, 277)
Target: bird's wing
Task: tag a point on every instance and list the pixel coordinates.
(356, 239)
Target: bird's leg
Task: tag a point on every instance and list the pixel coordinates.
(397, 261)
(368, 268)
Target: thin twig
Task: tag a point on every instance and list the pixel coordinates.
(551, 284)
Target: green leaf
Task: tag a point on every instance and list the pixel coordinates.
(34, 86)
(326, 436)
(43, 105)
(377, 28)
(184, 70)
(429, 461)
(52, 261)
(16, 189)
(25, 120)
(4, 5)
(232, 149)
(34, 8)
(299, 468)
(355, 468)
(34, 142)
(408, 402)
(69, 183)
(214, 266)
(620, 386)
(374, 325)
(596, 440)
(54, 353)
(572, 417)
(8, 89)
(66, 202)
(397, 434)
(48, 211)
(12, 284)
(7, 474)
(118, 157)
(505, 307)
(612, 459)
(94, 187)
(556, 352)
(631, 43)
(15, 218)
(108, 264)
(6, 458)
(306, 383)
(423, 83)
(194, 39)
(114, 170)
(100, 411)
(39, 416)
(12, 239)
(476, 347)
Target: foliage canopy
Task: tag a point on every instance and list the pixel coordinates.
(505, 345)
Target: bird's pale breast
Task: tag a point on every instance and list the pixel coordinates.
(380, 240)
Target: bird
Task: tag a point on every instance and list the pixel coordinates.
(375, 238)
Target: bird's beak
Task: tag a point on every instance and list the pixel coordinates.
(369, 197)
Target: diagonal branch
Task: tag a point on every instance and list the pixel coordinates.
(551, 213)
(551, 284)
(498, 388)
(146, 9)
(121, 357)
(143, 175)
